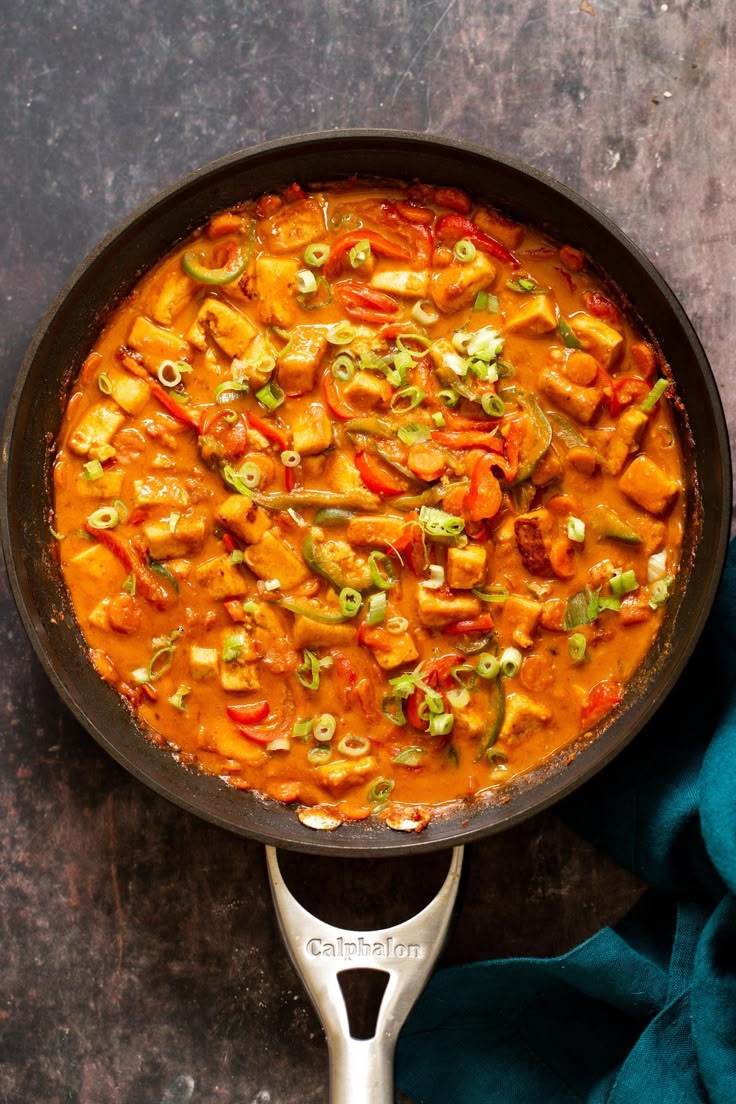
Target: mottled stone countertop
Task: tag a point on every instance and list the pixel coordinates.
(140, 959)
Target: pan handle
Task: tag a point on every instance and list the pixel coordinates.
(362, 1070)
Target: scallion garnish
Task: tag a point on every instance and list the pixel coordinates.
(129, 585)
(492, 304)
(232, 648)
(107, 517)
(493, 405)
(438, 418)
(229, 391)
(407, 399)
(465, 251)
(316, 756)
(488, 666)
(577, 647)
(360, 253)
(525, 286)
(579, 611)
(438, 523)
(568, 337)
(162, 570)
(308, 671)
(354, 746)
(382, 570)
(424, 313)
(379, 790)
(376, 608)
(659, 593)
(316, 254)
(321, 297)
(657, 566)
(306, 282)
(342, 333)
(576, 529)
(393, 710)
(271, 396)
(250, 474)
(413, 434)
(343, 367)
(92, 470)
(493, 594)
(624, 582)
(177, 698)
(448, 397)
(654, 395)
(290, 459)
(436, 577)
(441, 724)
(481, 301)
(170, 372)
(350, 601)
(324, 728)
(409, 756)
(302, 729)
(235, 557)
(236, 480)
(104, 383)
(510, 662)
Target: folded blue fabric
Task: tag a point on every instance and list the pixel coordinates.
(645, 1012)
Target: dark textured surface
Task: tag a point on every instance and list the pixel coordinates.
(140, 960)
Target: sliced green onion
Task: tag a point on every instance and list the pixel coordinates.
(525, 286)
(232, 648)
(494, 594)
(306, 282)
(320, 754)
(308, 671)
(654, 395)
(448, 397)
(657, 566)
(409, 756)
(458, 698)
(322, 297)
(404, 685)
(496, 756)
(407, 399)
(481, 301)
(487, 666)
(397, 625)
(464, 250)
(316, 254)
(579, 609)
(230, 271)
(567, 335)
(324, 728)
(424, 313)
(659, 593)
(609, 603)
(177, 698)
(436, 577)
(379, 790)
(235, 557)
(350, 601)
(162, 570)
(342, 333)
(510, 662)
(104, 383)
(250, 474)
(360, 253)
(230, 390)
(354, 746)
(577, 647)
(492, 303)
(623, 583)
(433, 701)
(107, 517)
(493, 405)
(438, 523)
(423, 342)
(160, 662)
(438, 418)
(464, 675)
(382, 570)
(236, 480)
(302, 729)
(129, 585)
(376, 608)
(403, 363)
(413, 434)
(576, 529)
(271, 396)
(92, 470)
(230, 417)
(393, 710)
(173, 519)
(290, 459)
(441, 724)
(169, 372)
(485, 344)
(343, 367)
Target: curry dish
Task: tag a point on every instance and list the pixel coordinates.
(369, 499)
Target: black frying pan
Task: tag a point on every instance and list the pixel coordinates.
(114, 266)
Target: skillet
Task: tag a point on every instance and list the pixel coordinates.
(107, 274)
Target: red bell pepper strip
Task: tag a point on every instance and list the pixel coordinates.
(630, 388)
(293, 192)
(228, 543)
(485, 494)
(251, 713)
(364, 303)
(600, 700)
(379, 245)
(418, 236)
(412, 711)
(375, 477)
(454, 200)
(482, 623)
(236, 613)
(147, 585)
(280, 437)
(597, 305)
(607, 386)
(467, 439)
(192, 418)
(421, 215)
(332, 398)
(454, 227)
(457, 421)
(514, 433)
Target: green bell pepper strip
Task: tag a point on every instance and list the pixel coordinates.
(607, 524)
(320, 563)
(332, 518)
(493, 729)
(232, 270)
(357, 498)
(542, 431)
(324, 617)
(371, 425)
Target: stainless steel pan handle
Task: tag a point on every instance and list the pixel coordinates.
(362, 1070)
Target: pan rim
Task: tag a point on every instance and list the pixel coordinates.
(391, 844)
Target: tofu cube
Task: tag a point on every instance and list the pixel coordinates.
(520, 619)
(345, 772)
(580, 403)
(272, 559)
(390, 649)
(293, 227)
(312, 430)
(313, 634)
(239, 676)
(174, 293)
(242, 517)
(404, 282)
(438, 608)
(95, 562)
(626, 439)
(257, 368)
(163, 490)
(466, 567)
(109, 485)
(648, 486)
(188, 537)
(598, 338)
(504, 230)
(202, 662)
(365, 391)
(156, 344)
(129, 392)
(342, 474)
(230, 329)
(523, 716)
(537, 316)
(96, 428)
(276, 284)
(221, 578)
(378, 531)
(457, 285)
(98, 617)
(297, 366)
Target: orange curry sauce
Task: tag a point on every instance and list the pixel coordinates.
(369, 499)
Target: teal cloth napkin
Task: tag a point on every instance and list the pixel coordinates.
(644, 1012)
